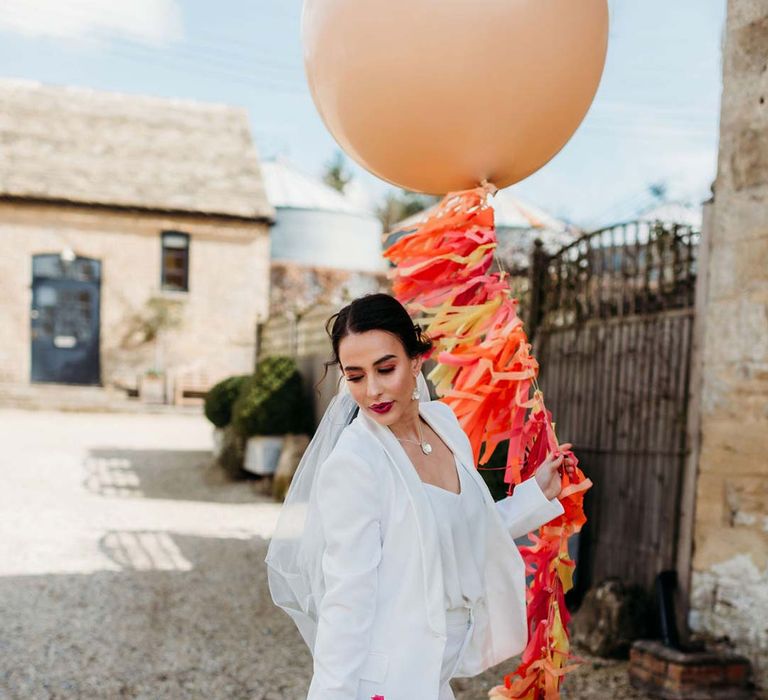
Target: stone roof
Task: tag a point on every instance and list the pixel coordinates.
(90, 147)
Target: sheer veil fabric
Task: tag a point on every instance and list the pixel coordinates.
(295, 552)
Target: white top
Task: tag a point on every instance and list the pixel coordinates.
(460, 521)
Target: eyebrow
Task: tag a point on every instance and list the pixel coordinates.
(379, 361)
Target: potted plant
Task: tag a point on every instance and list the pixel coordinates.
(149, 326)
(271, 405)
(152, 386)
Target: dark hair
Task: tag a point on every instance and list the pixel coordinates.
(376, 311)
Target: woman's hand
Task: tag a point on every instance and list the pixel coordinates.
(548, 474)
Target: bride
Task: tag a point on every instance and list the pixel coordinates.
(390, 554)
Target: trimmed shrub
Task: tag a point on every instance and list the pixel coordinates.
(273, 402)
(221, 398)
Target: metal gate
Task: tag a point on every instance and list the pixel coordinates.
(65, 319)
(297, 336)
(611, 319)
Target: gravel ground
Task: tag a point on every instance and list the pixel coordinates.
(130, 568)
(594, 679)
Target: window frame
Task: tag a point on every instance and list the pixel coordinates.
(164, 284)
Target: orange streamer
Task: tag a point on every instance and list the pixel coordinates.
(485, 372)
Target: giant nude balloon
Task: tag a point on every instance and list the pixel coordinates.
(437, 95)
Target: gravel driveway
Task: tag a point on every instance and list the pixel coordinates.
(130, 568)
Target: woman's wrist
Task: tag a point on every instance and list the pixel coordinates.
(549, 490)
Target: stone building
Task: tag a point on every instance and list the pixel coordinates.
(134, 237)
(729, 523)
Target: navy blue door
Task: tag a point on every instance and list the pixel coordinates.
(65, 320)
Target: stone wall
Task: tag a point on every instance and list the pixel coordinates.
(729, 583)
(228, 287)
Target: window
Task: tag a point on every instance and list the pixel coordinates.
(175, 261)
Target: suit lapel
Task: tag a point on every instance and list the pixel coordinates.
(448, 432)
(428, 536)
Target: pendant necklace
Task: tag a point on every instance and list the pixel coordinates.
(426, 448)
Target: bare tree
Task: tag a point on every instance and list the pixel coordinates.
(337, 175)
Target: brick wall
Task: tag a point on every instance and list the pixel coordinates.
(664, 672)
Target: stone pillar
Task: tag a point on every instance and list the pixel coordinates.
(729, 577)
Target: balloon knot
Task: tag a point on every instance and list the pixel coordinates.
(489, 187)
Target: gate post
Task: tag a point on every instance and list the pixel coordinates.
(687, 502)
(537, 278)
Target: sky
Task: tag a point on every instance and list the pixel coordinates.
(654, 118)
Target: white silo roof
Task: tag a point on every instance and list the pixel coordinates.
(513, 212)
(290, 188)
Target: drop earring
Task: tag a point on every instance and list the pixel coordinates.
(416, 394)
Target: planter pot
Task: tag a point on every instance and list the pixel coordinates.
(262, 453)
(152, 389)
(218, 442)
(294, 448)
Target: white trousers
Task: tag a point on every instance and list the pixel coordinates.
(459, 623)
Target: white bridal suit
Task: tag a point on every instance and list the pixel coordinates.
(400, 615)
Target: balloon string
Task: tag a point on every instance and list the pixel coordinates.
(489, 187)
(490, 190)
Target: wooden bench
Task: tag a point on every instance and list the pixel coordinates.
(190, 388)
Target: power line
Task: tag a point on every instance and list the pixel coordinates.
(192, 56)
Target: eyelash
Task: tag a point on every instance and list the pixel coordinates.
(381, 371)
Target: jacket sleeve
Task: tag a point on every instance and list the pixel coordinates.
(350, 513)
(527, 508)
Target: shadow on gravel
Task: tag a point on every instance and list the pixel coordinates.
(185, 475)
(185, 617)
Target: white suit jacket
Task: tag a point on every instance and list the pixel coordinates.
(381, 627)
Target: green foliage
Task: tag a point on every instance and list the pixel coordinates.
(658, 190)
(273, 401)
(400, 205)
(221, 397)
(157, 315)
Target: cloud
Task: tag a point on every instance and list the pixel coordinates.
(689, 173)
(156, 22)
(597, 182)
